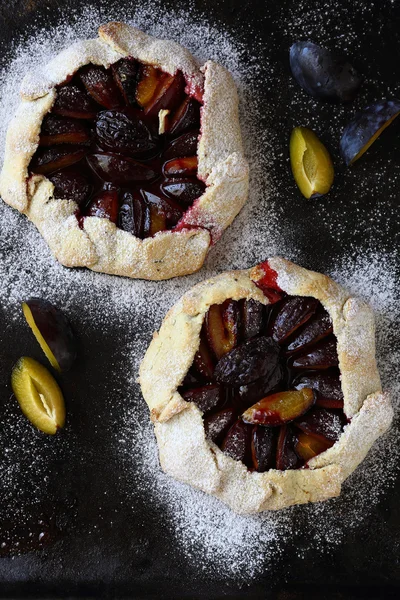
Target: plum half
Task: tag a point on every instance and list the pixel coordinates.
(311, 163)
(366, 127)
(323, 74)
(38, 395)
(53, 332)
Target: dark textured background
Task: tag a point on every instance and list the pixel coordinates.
(103, 549)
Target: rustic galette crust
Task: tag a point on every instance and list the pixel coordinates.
(187, 455)
(100, 245)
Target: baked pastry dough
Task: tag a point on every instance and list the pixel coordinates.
(184, 450)
(97, 243)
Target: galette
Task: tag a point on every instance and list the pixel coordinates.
(127, 155)
(263, 387)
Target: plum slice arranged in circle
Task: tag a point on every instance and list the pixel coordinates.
(122, 142)
(267, 381)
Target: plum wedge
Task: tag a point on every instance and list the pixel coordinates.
(267, 378)
(280, 408)
(53, 331)
(38, 395)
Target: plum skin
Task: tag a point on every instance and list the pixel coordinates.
(365, 127)
(50, 326)
(323, 74)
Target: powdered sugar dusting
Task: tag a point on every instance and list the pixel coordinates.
(209, 537)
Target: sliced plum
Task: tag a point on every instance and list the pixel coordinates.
(293, 312)
(180, 167)
(203, 359)
(308, 446)
(312, 332)
(186, 116)
(38, 395)
(286, 457)
(263, 448)
(184, 145)
(321, 356)
(280, 408)
(366, 126)
(168, 94)
(252, 318)
(218, 424)
(70, 184)
(125, 73)
(104, 206)
(222, 327)
(237, 443)
(121, 170)
(133, 214)
(184, 190)
(172, 210)
(148, 83)
(327, 386)
(206, 398)
(251, 360)
(321, 422)
(100, 85)
(62, 130)
(158, 220)
(53, 331)
(74, 102)
(49, 160)
(322, 73)
(311, 163)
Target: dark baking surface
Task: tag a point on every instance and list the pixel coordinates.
(101, 548)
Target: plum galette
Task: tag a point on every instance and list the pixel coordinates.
(127, 155)
(263, 387)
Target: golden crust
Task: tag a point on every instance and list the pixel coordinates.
(101, 246)
(186, 454)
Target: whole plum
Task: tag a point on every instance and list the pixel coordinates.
(323, 74)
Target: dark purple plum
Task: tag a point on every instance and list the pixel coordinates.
(252, 318)
(133, 214)
(255, 358)
(256, 390)
(70, 184)
(185, 191)
(119, 131)
(125, 73)
(327, 386)
(187, 116)
(118, 169)
(327, 424)
(53, 332)
(322, 73)
(237, 443)
(172, 210)
(185, 145)
(207, 397)
(217, 424)
(286, 457)
(263, 448)
(104, 205)
(366, 127)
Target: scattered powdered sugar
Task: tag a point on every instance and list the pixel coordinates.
(209, 537)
